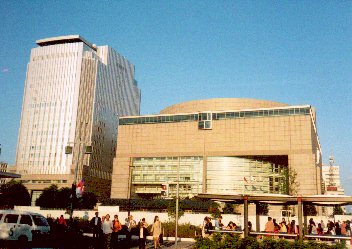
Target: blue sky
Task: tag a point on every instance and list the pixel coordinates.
(296, 52)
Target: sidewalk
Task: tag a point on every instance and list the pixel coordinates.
(169, 245)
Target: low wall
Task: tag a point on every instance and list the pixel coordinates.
(193, 219)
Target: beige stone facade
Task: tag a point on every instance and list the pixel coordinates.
(252, 130)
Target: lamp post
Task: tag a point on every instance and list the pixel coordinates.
(177, 198)
(69, 150)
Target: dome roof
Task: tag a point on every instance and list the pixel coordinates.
(220, 104)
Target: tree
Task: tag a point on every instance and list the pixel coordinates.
(214, 209)
(309, 210)
(263, 208)
(14, 193)
(88, 201)
(63, 198)
(48, 198)
(293, 184)
(337, 210)
(171, 210)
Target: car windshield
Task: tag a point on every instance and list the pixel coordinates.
(40, 220)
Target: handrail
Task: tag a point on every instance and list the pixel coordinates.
(274, 234)
(342, 237)
(226, 231)
(329, 237)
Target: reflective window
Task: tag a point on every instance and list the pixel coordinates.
(149, 173)
(11, 218)
(207, 116)
(26, 219)
(247, 175)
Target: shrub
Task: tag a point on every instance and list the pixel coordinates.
(227, 241)
(184, 230)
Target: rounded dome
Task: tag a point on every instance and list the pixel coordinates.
(219, 104)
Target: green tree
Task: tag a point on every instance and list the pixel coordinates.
(292, 182)
(337, 210)
(63, 197)
(171, 210)
(14, 193)
(263, 208)
(309, 210)
(88, 201)
(214, 209)
(48, 198)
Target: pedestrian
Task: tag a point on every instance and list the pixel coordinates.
(269, 226)
(156, 230)
(62, 224)
(231, 226)
(218, 223)
(322, 225)
(293, 227)
(131, 228)
(343, 228)
(95, 223)
(142, 233)
(116, 228)
(208, 226)
(283, 228)
(107, 230)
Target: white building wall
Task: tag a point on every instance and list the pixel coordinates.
(74, 93)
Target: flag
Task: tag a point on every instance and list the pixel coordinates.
(80, 189)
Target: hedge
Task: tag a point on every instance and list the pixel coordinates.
(227, 241)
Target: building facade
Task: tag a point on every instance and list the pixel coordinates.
(331, 182)
(219, 146)
(74, 93)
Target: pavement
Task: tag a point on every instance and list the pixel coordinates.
(170, 245)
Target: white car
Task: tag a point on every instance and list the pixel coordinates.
(22, 226)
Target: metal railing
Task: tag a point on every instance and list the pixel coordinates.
(288, 235)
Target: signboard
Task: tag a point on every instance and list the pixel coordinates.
(331, 188)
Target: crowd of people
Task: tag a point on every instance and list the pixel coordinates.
(107, 231)
(331, 228)
(283, 227)
(207, 226)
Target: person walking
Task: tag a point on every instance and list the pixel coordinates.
(107, 230)
(116, 228)
(156, 230)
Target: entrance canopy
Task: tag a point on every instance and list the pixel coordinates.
(277, 199)
(9, 175)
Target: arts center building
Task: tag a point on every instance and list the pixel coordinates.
(218, 146)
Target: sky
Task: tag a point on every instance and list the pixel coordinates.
(295, 52)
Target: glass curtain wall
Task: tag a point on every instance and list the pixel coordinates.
(148, 174)
(247, 175)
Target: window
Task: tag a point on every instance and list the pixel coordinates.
(205, 125)
(26, 219)
(11, 218)
(40, 221)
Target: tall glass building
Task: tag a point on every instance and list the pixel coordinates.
(74, 93)
(218, 146)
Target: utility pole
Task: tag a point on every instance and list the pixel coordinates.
(177, 197)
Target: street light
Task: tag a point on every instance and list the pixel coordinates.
(69, 150)
(177, 197)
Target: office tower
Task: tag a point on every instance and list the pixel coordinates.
(74, 93)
